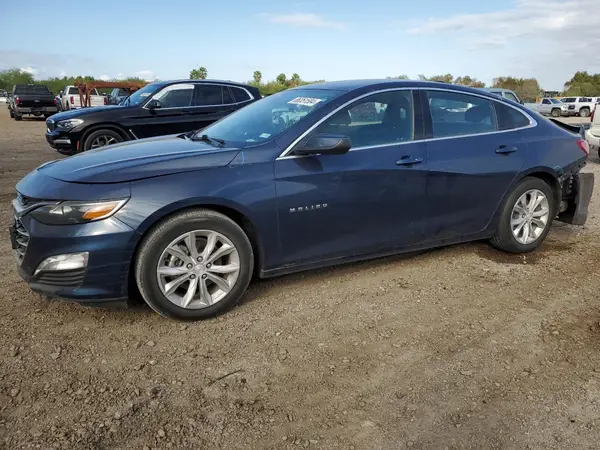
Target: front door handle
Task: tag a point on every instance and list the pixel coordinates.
(505, 150)
(408, 161)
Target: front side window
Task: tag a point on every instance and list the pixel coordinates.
(175, 96)
(454, 114)
(509, 118)
(208, 95)
(546, 101)
(379, 119)
(268, 118)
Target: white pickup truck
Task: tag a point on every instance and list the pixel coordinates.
(551, 107)
(582, 106)
(70, 98)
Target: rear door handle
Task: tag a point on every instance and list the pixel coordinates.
(504, 150)
(408, 161)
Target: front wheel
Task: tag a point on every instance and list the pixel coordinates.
(526, 217)
(101, 138)
(555, 112)
(194, 265)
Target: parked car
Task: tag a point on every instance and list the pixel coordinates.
(581, 106)
(160, 108)
(551, 107)
(592, 134)
(117, 95)
(31, 99)
(3, 96)
(188, 219)
(505, 93)
(70, 98)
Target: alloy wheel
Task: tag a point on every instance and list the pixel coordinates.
(103, 140)
(530, 216)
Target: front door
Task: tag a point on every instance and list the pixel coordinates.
(367, 200)
(475, 154)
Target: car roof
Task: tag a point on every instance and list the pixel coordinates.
(228, 82)
(351, 85)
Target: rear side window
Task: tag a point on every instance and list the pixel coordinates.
(509, 118)
(240, 95)
(454, 114)
(208, 95)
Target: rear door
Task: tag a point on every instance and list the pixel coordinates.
(211, 102)
(475, 151)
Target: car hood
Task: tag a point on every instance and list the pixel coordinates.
(135, 160)
(76, 113)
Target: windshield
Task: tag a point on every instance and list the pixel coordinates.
(139, 96)
(553, 100)
(269, 117)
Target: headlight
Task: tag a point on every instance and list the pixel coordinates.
(68, 213)
(68, 124)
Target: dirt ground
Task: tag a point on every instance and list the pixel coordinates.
(459, 348)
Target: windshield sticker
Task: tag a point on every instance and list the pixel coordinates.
(306, 101)
(264, 135)
(145, 94)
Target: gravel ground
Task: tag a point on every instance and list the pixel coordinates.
(463, 347)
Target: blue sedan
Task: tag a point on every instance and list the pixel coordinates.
(310, 177)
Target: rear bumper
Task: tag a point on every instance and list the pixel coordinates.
(591, 139)
(37, 110)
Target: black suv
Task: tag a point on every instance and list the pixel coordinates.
(160, 108)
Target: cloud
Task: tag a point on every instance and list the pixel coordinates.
(29, 69)
(147, 75)
(303, 20)
(548, 39)
(104, 77)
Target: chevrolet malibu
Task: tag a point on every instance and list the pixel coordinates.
(298, 180)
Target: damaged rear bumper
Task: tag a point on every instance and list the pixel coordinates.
(577, 193)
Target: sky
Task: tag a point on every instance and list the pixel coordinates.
(325, 39)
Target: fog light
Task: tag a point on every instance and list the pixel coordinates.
(70, 261)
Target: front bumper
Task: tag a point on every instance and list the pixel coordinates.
(109, 243)
(63, 141)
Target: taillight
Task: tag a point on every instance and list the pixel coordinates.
(584, 146)
(55, 103)
(72, 100)
(105, 100)
(17, 101)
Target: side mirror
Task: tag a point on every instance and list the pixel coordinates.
(153, 104)
(325, 144)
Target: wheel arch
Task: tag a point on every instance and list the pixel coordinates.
(104, 126)
(233, 211)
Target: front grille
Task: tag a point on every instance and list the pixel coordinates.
(64, 278)
(22, 238)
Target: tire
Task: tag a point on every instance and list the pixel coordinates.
(555, 112)
(152, 252)
(17, 116)
(584, 112)
(12, 115)
(504, 238)
(110, 136)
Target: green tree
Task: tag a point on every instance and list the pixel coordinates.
(10, 77)
(399, 77)
(468, 81)
(257, 76)
(295, 80)
(198, 74)
(583, 83)
(281, 79)
(526, 88)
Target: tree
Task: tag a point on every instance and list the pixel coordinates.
(295, 80)
(468, 81)
(447, 78)
(281, 79)
(10, 77)
(257, 76)
(198, 74)
(399, 77)
(584, 84)
(527, 88)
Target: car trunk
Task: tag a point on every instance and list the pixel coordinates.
(35, 100)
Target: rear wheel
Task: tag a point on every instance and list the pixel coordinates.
(17, 116)
(194, 265)
(101, 138)
(584, 112)
(526, 217)
(555, 112)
